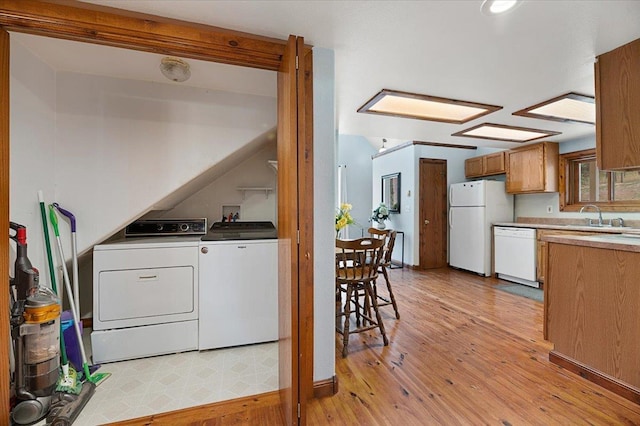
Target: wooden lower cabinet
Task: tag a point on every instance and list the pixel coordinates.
(592, 300)
(541, 260)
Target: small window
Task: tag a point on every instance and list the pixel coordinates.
(585, 184)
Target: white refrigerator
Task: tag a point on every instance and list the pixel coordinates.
(473, 208)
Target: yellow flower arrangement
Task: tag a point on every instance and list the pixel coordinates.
(343, 216)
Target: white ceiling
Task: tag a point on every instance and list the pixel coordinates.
(540, 50)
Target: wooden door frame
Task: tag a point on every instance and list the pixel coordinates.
(420, 190)
(72, 20)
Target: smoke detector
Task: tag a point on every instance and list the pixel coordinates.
(175, 69)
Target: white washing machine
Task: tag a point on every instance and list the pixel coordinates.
(238, 264)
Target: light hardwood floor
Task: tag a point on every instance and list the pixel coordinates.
(463, 353)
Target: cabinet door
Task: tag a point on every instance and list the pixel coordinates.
(494, 163)
(533, 168)
(526, 169)
(473, 167)
(542, 247)
(617, 104)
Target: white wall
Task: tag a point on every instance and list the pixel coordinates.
(32, 109)
(107, 149)
(324, 175)
(254, 205)
(123, 145)
(355, 153)
(407, 162)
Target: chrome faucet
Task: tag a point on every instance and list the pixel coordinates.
(597, 209)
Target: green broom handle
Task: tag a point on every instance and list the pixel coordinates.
(52, 272)
(43, 215)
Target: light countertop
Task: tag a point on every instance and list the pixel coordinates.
(623, 242)
(571, 227)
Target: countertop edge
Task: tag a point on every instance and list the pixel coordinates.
(595, 229)
(609, 242)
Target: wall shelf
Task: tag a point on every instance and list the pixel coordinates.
(245, 189)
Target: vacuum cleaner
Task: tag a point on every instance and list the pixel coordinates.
(35, 325)
(35, 334)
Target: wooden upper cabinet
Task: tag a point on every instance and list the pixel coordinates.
(533, 168)
(473, 167)
(494, 164)
(617, 78)
(485, 165)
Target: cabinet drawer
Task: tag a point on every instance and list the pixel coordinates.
(141, 293)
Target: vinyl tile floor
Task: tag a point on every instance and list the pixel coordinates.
(171, 382)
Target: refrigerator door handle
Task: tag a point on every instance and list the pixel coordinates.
(450, 218)
(450, 195)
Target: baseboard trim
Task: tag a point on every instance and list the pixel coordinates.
(323, 388)
(610, 383)
(234, 408)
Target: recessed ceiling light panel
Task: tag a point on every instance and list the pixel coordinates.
(504, 133)
(571, 107)
(425, 107)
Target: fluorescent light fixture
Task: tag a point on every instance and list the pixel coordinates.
(502, 132)
(425, 107)
(571, 107)
(496, 7)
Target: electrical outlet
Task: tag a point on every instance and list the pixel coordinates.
(549, 209)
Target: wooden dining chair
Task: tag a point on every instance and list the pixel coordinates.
(389, 236)
(357, 265)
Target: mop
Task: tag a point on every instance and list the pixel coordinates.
(96, 378)
(74, 252)
(68, 382)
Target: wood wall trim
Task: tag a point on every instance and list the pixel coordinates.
(232, 409)
(114, 27)
(445, 145)
(624, 390)
(324, 388)
(412, 143)
(305, 197)
(4, 218)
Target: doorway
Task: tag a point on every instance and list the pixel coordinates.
(102, 25)
(432, 215)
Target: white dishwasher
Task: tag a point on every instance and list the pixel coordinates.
(515, 254)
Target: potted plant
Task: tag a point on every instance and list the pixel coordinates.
(380, 214)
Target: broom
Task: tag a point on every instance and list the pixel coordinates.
(96, 378)
(68, 381)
